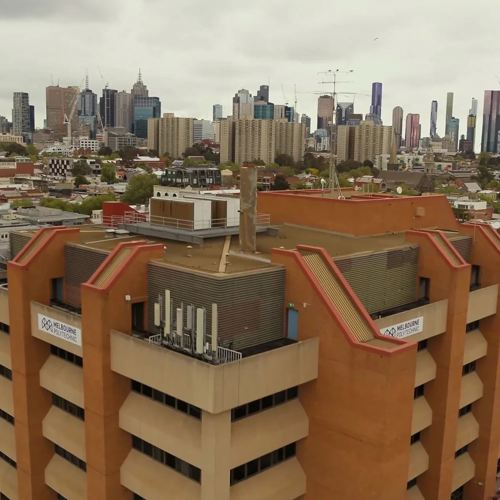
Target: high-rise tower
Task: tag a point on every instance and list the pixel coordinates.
(376, 106)
(21, 123)
(449, 111)
(397, 126)
(434, 112)
(412, 136)
(491, 121)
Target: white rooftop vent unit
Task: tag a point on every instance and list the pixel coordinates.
(121, 232)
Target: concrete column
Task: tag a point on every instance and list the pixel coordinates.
(216, 450)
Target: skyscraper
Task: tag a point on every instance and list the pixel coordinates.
(243, 104)
(343, 112)
(376, 106)
(471, 125)
(217, 112)
(449, 111)
(263, 93)
(108, 107)
(325, 112)
(124, 110)
(306, 121)
(397, 126)
(412, 135)
(87, 109)
(4, 125)
(144, 109)
(453, 132)
(434, 112)
(170, 134)
(491, 121)
(21, 122)
(60, 102)
(263, 110)
(139, 88)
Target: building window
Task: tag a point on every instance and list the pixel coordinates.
(5, 372)
(415, 437)
(466, 409)
(7, 459)
(424, 288)
(461, 451)
(3, 497)
(260, 464)
(167, 459)
(70, 457)
(68, 407)
(166, 399)
(7, 417)
(66, 355)
(264, 404)
(4, 328)
(469, 368)
(418, 391)
(458, 494)
(422, 345)
(135, 496)
(411, 484)
(474, 277)
(472, 326)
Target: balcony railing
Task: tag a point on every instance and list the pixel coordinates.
(58, 304)
(184, 224)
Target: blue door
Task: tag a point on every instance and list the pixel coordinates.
(293, 324)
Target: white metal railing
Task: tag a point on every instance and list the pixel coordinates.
(185, 224)
(225, 355)
(155, 339)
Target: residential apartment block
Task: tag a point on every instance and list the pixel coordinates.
(170, 134)
(246, 140)
(356, 356)
(363, 142)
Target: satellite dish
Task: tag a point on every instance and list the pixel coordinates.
(399, 190)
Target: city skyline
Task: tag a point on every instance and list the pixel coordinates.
(190, 84)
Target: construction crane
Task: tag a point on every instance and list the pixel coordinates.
(68, 119)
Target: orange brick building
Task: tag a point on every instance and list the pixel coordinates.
(356, 355)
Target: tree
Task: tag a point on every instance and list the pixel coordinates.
(347, 165)
(128, 154)
(105, 151)
(13, 148)
(108, 173)
(284, 160)
(93, 203)
(80, 169)
(21, 203)
(80, 180)
(140, 188)
(280, 183)
(483, 176)
(368, 163)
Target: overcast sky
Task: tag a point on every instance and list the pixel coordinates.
(195, 53)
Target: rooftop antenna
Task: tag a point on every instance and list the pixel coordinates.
(139, 79)
(87, 80)
(334, 180)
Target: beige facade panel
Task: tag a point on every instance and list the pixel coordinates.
(155, 481)
(475, 346)
(419, 460)
(467, 430)
(4, 305)
(166, 428)
(434, 320)
(8, 480)
(65, 430)
(422, 415)
(471, 389)
(5, 351)
(482, 303)
(414, 494)
(65, 478)
(284, 481)
(266, 431)
(64, 379)
(7, 440)
(57, 314)
(426, 368)
(463, 470)
(6, 396)
(214, 388)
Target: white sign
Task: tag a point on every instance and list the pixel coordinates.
(59, 329)
(405, 329)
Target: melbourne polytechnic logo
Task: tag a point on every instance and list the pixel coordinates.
(405, 329)
(59, 329)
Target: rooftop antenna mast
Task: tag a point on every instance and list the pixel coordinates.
(332, 79)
